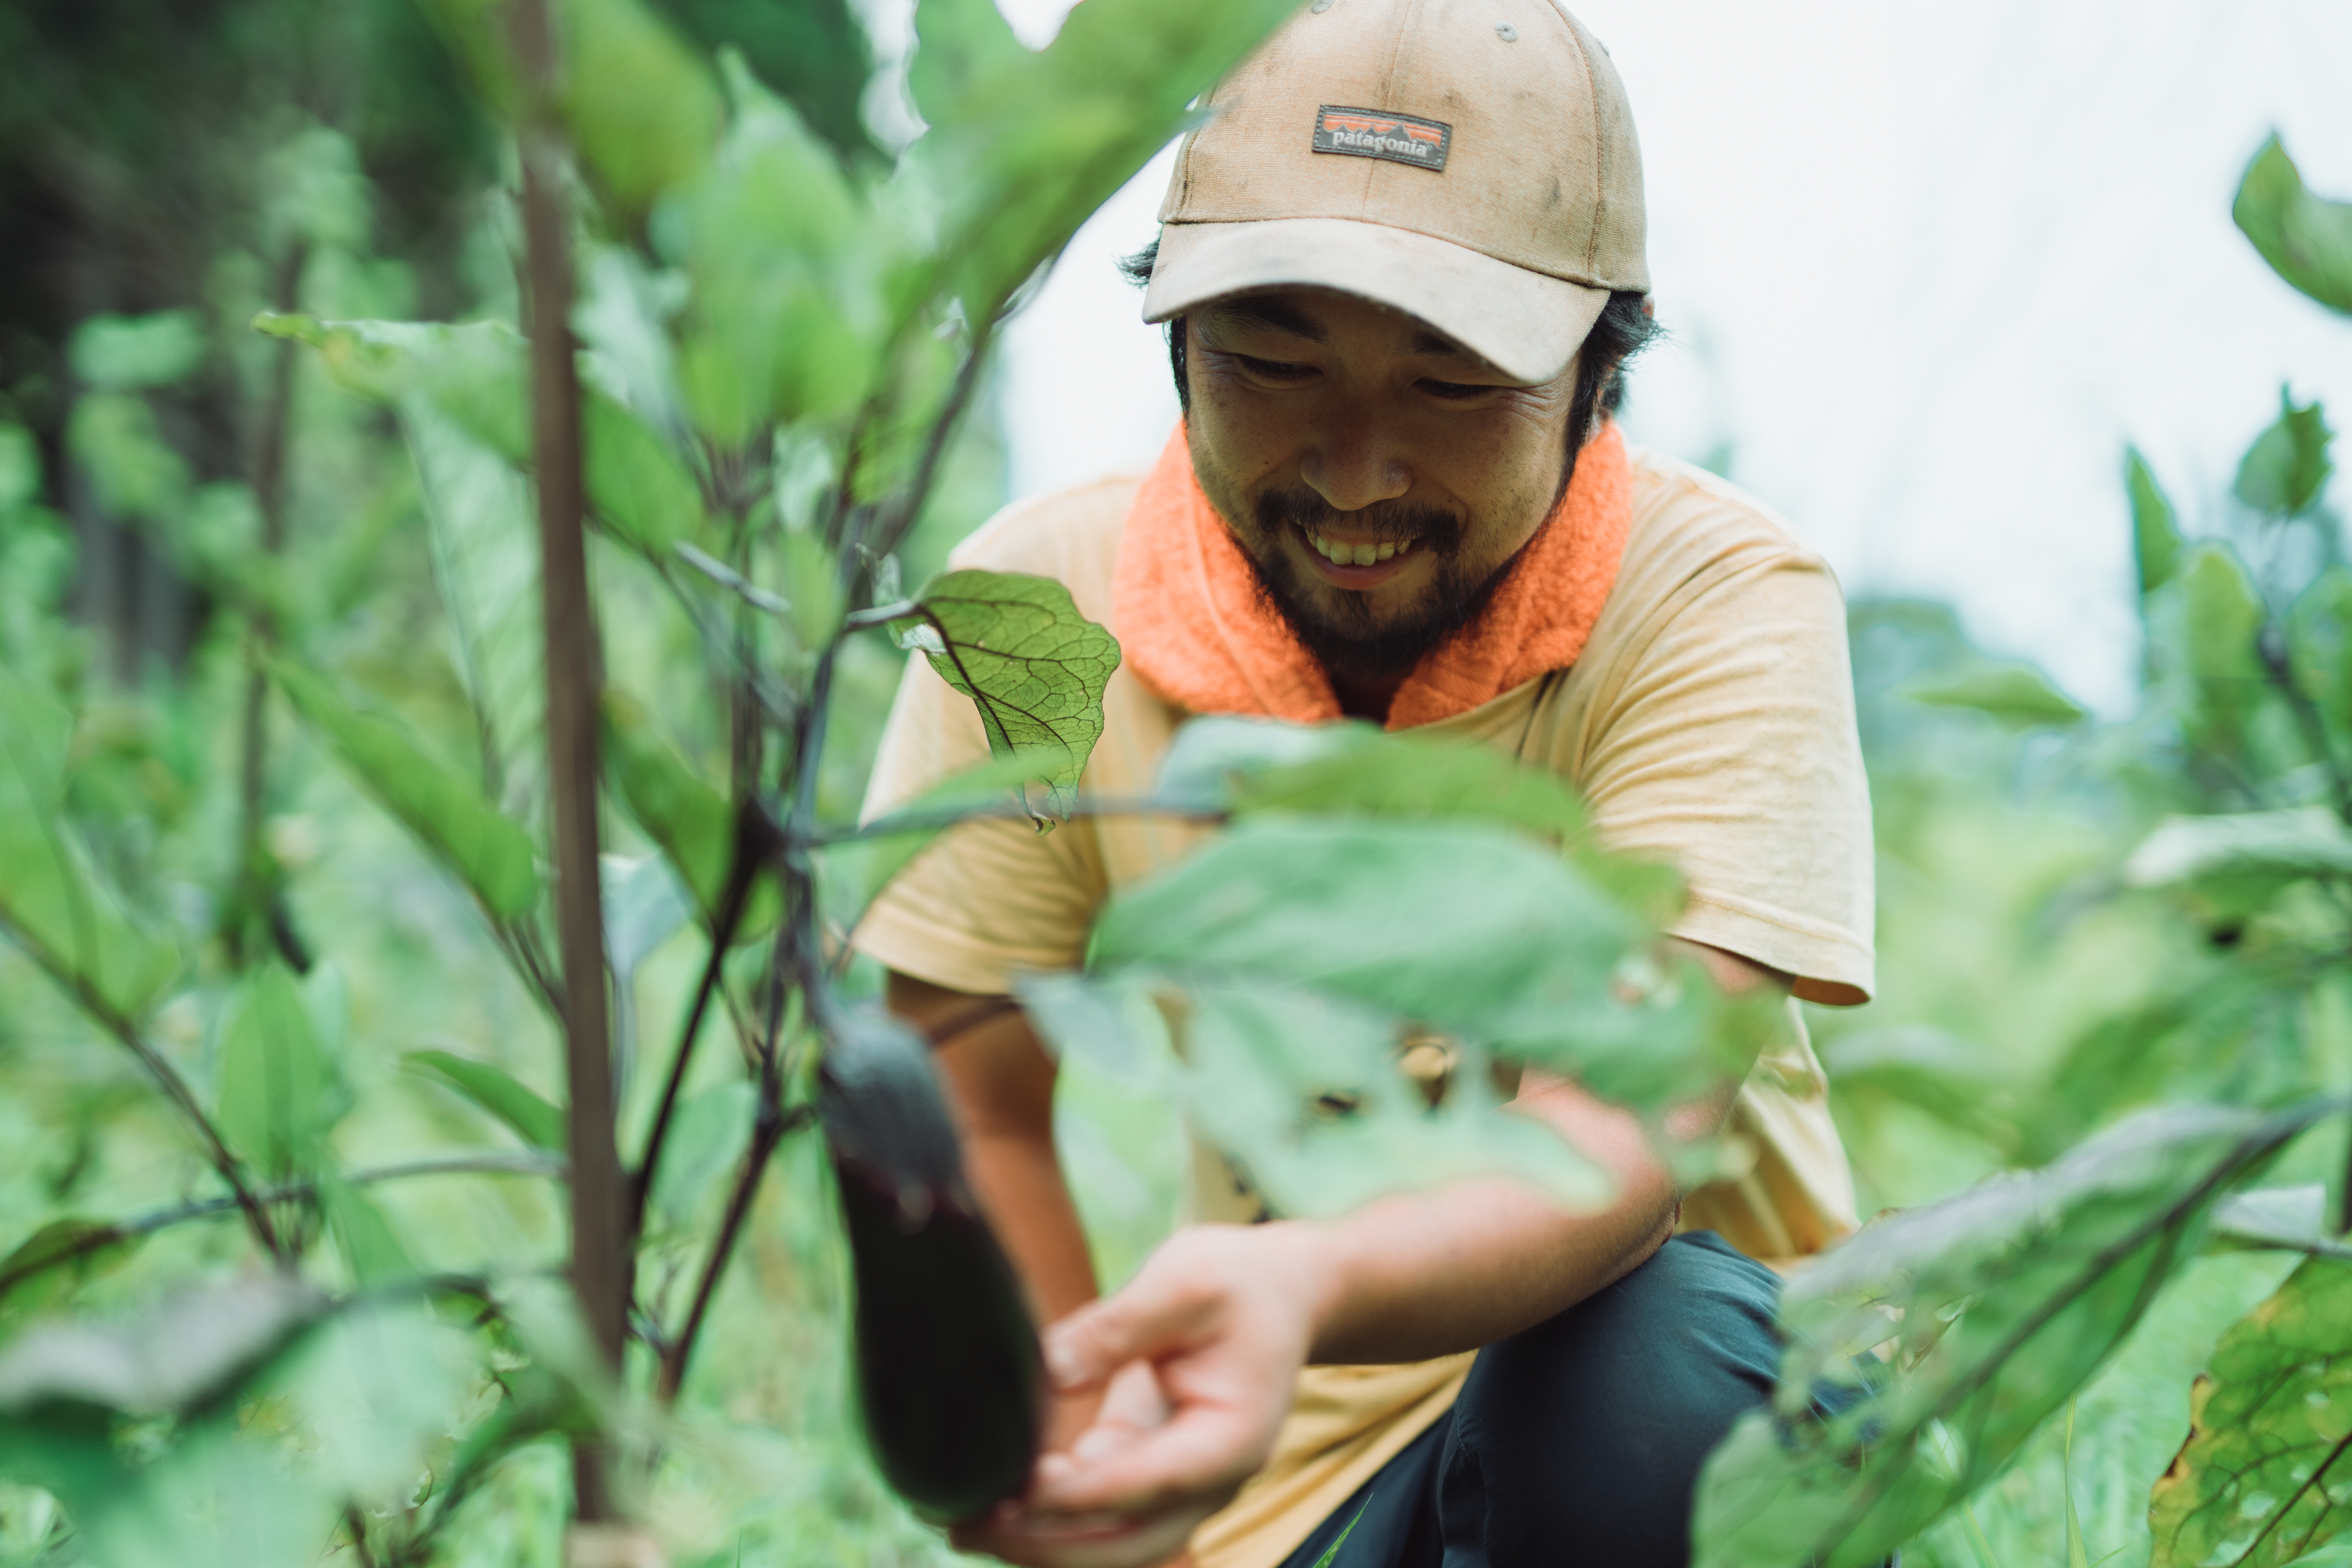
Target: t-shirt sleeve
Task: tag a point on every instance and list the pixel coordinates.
(985, 899)
(1731, 750)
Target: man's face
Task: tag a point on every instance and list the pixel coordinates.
(1379, 475)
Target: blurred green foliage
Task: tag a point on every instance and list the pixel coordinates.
(2113, 948)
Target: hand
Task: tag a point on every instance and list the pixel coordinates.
(1196, 1359)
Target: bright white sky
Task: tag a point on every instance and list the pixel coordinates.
(1926, 269)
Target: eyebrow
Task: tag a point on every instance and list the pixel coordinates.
(1272, 310)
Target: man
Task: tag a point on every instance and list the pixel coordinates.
(1401, 264)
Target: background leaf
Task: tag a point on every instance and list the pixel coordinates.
(2306, 239)
(2016, 694)
(279, 1094)
(2284, 471)
(1987, 1312)
(2156, 534)
(533, 1120)
(492, 854)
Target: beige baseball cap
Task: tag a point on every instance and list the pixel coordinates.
(1471, 163)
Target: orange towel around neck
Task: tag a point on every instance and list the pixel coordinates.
(1191, 623)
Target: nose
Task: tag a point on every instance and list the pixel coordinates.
(1352, 464)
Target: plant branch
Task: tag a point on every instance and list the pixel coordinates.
(754, 839)
(767, 1132)
(167, 1078)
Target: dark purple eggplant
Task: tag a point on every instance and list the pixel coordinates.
(949, 1374)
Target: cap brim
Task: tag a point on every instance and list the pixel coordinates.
(1526, 324)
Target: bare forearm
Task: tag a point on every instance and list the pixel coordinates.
(1018, 1180)
(1427, 1274)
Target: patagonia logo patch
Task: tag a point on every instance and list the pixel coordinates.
(1374, 133)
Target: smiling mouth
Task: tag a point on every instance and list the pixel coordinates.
(1339, 552)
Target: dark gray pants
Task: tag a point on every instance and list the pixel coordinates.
(1578, 1440)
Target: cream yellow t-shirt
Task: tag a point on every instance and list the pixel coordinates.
(1709, 720)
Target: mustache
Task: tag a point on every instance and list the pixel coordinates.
(1387, 523)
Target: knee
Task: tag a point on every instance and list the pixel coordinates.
(1608, 1411)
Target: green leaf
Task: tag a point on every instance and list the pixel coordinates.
(533, 1120)
(135, 474)
(492, 855)
(476, 373)
(679, 810)
(787, 321)
(2306, 841)
(373, 1392)
(2306, 239)
(858, 868)
(1990, 1311)
(2205, 628)
(1028, 144)
(636, 487)
(642, 109)
(1303, 1092)
(20, 468)
(52, 899)
(1464, 927)
(2267, 1473)
(372, 1248)
(2276, 1219)
(57, 1258)
(279, 1094)
(131, 354)
(2016, 694)
(2157, 543)
(2284, 471)
(1034, 667)
(645, 906)
(173, 1356)
(712, 1131)
(2319, 648)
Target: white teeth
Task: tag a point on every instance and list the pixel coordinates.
(1344, 554)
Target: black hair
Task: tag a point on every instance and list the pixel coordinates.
(1624, 329)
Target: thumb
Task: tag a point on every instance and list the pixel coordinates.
(1147, 1321)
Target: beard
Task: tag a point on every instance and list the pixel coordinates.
(1337, 625)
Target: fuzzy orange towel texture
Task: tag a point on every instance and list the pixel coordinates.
(1191, 623)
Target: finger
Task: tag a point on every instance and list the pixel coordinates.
(1152, 1318)
(1191, 1457)
(1134, 1398)
(1052, 1542)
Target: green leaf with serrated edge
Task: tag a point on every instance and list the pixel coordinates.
(492, 854)
(278, 1093)
(2156, 535)
(1028, 143)
(2017, 694)
(1462, 926)
(51, 897)
(2284, 471)
(2319, 648)
(495, 1090)
(1034, 667)
(642, 109)
(1987, 1312)
(49, 1264)
(1302, 1093)
(2304, 841)
(2307, 240)
(2267, 1473)
(637, 488)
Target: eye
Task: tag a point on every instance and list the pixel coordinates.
(1454, 390)
(1275, 369)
